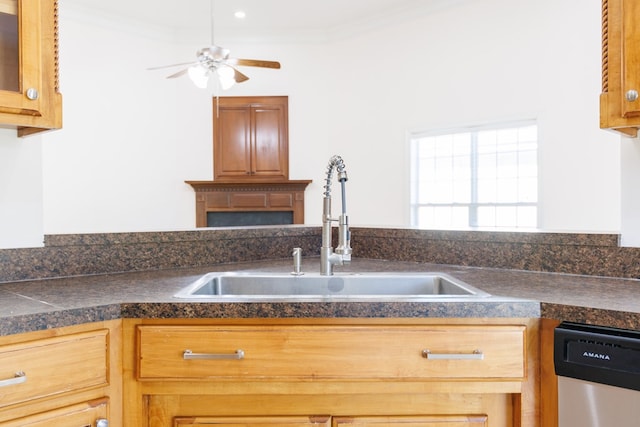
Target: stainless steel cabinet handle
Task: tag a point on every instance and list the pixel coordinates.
(19, 378)
(476, 355)
(189, 355)
(631, 95)
(102, 422)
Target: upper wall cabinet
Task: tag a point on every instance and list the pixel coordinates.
(30, 99)
(619, 101)
(250, 138)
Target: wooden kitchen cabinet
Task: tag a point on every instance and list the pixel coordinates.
(30, 99)
(67, 376)
(444, 421)
(250, 138)
(253, 421)
(355, 372)
(620, 99)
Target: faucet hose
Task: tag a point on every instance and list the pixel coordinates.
(335, 163)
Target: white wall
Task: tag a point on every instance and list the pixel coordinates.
(479, 62)
(20, 191)
(630, 159)
(131, 137)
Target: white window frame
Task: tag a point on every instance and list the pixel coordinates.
(473, 205)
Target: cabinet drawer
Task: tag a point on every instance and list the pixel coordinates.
(330, 352)
(81, 415)
(52, 366)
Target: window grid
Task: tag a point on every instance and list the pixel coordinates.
(478, 177)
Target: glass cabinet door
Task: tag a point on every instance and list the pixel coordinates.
(20, 64)
(9, 46)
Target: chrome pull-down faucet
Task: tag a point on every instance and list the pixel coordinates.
(342, 253)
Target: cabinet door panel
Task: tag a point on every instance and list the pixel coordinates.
(28, 70)
(427, 421)
(9, 47)
(250, 138)
(631, 55)
(620, 66)
(233, 152)
(268, 144)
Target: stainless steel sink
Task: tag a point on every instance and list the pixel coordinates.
(313, 286)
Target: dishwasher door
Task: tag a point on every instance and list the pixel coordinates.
(598, 376)
(587, 404)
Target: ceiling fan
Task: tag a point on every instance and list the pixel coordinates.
(215, 61)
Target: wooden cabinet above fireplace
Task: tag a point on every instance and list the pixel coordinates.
(250, 138)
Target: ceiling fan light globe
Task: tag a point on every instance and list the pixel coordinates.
(226, 75)
(199, 76)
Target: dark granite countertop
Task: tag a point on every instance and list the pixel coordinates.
(42, 304)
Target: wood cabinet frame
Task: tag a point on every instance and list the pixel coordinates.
(61, 400)
(508, 402)
(251, 138)
(38, 50)
(620, 66)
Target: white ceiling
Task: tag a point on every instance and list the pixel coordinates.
(265, 18)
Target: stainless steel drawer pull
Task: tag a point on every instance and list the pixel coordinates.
(189, 355)
(476, 355)
(18, 378)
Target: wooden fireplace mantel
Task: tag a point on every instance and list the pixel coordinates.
(243, 196)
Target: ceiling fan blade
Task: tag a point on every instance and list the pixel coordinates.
(178, 74)
(172, 65)
(238, 76)
(253, 63)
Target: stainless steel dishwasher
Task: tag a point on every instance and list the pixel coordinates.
(598, 372)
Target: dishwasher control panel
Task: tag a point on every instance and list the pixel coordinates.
(598, 354)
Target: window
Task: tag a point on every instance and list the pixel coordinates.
(475, 177)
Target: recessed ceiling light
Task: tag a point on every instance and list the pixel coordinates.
(240, 14)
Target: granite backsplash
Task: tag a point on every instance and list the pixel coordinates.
(86, 254)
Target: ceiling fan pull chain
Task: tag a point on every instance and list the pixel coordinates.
(212, 23)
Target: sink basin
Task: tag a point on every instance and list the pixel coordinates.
(313, 286)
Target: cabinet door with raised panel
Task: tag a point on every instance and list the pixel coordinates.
(29, 97)
(631, 59)
(417, 421)
(232, 146)
(620, 98)
(312, 421)
(19, 64)
(269, 149)
(250, 138)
